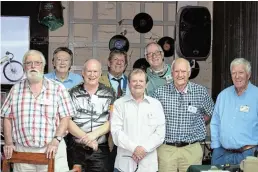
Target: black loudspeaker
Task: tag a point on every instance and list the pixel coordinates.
(193, 32)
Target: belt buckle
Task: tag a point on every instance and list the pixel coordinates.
(178, 144)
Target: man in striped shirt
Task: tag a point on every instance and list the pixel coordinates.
(36, 115)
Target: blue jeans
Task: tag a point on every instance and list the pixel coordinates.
(220, 156)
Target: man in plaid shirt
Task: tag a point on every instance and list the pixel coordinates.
(36, 115)
(185, 104)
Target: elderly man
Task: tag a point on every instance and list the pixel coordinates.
(92, 101)
(62, 62)
(116, 79)
(184, 105)
(234, 124)
(137, 127)
(158, 73)
(36, 115)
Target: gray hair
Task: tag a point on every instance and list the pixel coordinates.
(239, 61)
(34, 52)
(152, 43)
(188, 64)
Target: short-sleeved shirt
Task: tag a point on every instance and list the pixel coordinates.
(35, 120)
(92, 110)
(184, 112)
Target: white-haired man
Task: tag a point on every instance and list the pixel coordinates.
(36, 115)
(234, 122)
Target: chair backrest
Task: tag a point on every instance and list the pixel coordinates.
(28, 158)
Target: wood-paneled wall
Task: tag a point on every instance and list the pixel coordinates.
(235, 34)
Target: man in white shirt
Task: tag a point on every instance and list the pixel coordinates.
(137, 127)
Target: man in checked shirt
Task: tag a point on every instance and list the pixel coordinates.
(36, 115)
(185, 104)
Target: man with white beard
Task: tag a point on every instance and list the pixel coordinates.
(36, 115)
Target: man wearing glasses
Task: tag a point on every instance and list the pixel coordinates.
(62, 62)
(185, 103)
(116, 79)
(137, 127)
(36, 115)
(158, 73)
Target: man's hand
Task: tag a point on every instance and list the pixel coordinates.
(8, 150)
(88, 138)
(52, 148)
(94, 145)
(139, 152)
(136, 160)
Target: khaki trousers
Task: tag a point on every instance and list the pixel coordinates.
(174, 159)
(61, 164)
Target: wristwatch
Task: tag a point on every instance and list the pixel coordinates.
(58, 138)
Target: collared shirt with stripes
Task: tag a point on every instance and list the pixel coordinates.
(184, 112)
(35, 119)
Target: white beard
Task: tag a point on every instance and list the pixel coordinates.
(34, 77)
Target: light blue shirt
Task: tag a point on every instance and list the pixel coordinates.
(115, 83)
(235, 118)
(72, 79)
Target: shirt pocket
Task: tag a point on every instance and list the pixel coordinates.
(151, 119)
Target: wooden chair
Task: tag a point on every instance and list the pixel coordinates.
(29, 158)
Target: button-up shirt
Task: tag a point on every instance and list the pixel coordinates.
(234, 123)
(184, 112)
(137, 124)
(115, 83)
(35, 119)
(72, 79)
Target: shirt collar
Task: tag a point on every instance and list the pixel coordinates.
(188, 88)
(110, 76)
(69, 78)
(130, 98)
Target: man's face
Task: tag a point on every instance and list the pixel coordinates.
(180, 73)
(91, 74)
(62, 62)
(137, 84)
(154, 56)
(34, 68)
(117, 64)
(240, 76)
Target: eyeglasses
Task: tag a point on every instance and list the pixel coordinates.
(132, 158)
(36, 63)
(157, 53)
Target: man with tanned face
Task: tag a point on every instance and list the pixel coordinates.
(92, 101)
(234, 122)
(159, 73)
(185, 103)
(117, 80)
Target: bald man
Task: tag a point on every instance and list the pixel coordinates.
(185, 103)
(92, 101)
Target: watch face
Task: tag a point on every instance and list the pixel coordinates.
(59, 138)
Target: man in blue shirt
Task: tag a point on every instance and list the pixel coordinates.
(62, 62)
(234, 123)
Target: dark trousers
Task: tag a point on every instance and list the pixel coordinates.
(69, 145)
(112, 159)
(91, 161)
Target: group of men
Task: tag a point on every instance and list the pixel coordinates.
(151, 121)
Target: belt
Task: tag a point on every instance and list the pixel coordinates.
(180, 144)
(242, 149)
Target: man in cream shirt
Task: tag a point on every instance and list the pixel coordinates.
(137, 127)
